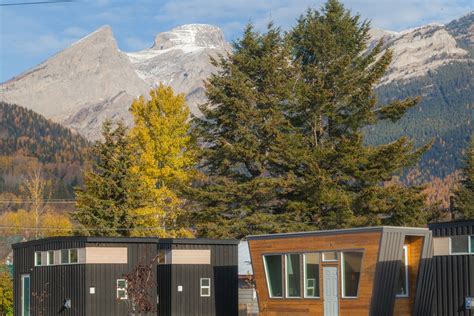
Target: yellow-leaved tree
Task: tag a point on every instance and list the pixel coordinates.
(165, 160)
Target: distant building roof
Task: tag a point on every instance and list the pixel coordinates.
(245, 264)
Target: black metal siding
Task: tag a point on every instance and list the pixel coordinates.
(454, 275)
(104, 277)
(57, 282)
(224, 283)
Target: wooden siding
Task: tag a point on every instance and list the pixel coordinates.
(366, 241)
(404, 305)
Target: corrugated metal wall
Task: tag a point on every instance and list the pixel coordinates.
(454, 275)
(224, 283)
(388, 270)
(56, 282)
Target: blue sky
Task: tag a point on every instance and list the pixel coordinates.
(30, 34)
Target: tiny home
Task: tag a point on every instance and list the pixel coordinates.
(85, 275)
(453, 264)
(362, 271)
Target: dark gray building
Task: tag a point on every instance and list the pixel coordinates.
(453, 265)
(85, 276)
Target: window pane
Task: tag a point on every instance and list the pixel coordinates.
(37, 258)
(64, 256)
(459, 244)
(330, 256)
(161, 257)
(402, 288)
(293, 275)
(50, 257)
(121, 294)
(205, 282)
(352, 263)
(73, 254)
(205, 291)
(311, 274)
(274, 275)
(121, 284)
(472, 244)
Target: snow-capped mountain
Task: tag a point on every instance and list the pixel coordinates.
(93, 80)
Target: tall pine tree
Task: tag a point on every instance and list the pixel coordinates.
(111, 189)
(341, 178)
(464, 196)
(284, 133)
(243, 132)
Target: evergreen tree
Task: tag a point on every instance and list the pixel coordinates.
(244, 132)
(165, 159)
(283, 133)
(111, 189)
(464, 197)
(341, 178)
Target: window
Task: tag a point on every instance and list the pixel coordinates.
(311, 274)
(273, 272)
(121, 289)
(205, 284)
(402, 288)
(73, 256)
(330, 256)
(37, 259)
(64, 256)
(293, 275)
(460, 244)
(50, 258)
(161, 258)
(472, 244)
(25, 295)
(351, 263)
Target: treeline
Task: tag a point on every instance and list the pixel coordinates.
(26, 133)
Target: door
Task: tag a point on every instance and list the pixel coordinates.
(331, 302)
(25, 295)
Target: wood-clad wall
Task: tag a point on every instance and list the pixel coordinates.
(404, 305)
(366, 241)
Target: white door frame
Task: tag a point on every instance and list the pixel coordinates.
(331, 291)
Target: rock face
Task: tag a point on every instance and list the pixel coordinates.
(93, 80)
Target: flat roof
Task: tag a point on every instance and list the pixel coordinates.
(456, 222)
(127, 240)
(412, 230)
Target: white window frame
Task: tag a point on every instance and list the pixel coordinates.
(48, 262)
(38, 255)
(202, 287)
(469, 241)
(286, 275)
(342, 275)
(323, 259)
(270, 294)
(22, 297)
(407, 273)
(304, 276)
(121, 289)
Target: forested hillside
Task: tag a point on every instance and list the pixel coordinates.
(24, 132)
(28, 142)
(446, 112)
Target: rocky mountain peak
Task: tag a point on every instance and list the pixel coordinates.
(196, 35)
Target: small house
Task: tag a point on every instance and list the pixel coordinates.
(86, 276)
(361, 271)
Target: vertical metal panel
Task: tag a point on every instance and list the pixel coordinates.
(51, 285)
(454, 274)
(386, 275)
